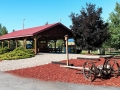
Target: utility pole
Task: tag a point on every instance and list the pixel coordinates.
(60, 20)
(23, 23)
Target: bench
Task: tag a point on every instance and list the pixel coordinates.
(88, 58)
(61, 63)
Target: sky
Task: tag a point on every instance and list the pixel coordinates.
(38, 12)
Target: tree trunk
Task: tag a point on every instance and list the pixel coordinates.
(88, 51)
(98, 50)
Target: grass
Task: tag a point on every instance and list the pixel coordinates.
(85, 52)
(106, 52)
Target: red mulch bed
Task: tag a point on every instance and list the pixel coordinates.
(53, 72)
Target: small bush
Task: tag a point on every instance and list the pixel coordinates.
(19, 48)
(19, 53)
(4, 50)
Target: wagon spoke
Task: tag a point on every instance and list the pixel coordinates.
(88, 71)
(114, 67)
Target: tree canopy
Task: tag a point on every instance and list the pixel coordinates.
(114, 27)
(46, 23)
(89, 29)
(3, 30)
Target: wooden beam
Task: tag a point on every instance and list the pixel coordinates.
(2, 44)
(55, 43)
(16, 41)
(23, 43)
(46, 42)
(25, 39)
(67, 57)
(74, 67)
(39, 36)
(35, 45)
(8, 43)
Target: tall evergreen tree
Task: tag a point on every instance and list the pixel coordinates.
(0, 29)
(114, 20)
(89, 29)
(46, 23)
(4, 30)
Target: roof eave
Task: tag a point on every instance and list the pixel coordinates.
(14, 37)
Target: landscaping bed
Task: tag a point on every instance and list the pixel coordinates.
(53, 72)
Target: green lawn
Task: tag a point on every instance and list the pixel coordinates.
(85, 52)
(96, 52)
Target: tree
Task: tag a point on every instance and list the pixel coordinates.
(0, 29)
(88, 28)
(4, 30)
(46, 23)
(114, 27)
(59, 43)
(13, 30)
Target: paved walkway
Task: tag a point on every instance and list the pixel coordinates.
(10, 82)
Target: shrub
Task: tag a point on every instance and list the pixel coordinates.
(4, 50)
(18, 53)
(19, 48)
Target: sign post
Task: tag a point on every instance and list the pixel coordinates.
(67, 57)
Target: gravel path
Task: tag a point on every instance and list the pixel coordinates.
(40, 59)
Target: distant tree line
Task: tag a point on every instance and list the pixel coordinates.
(114, 28)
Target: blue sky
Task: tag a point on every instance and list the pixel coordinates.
(38, 12)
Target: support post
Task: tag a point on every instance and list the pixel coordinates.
(8, 43)
(16, 43)
(2, 44)
(64, 46)
(67, 56)
(24, 43)
(46, 43)
(35, 45)
(55, 43)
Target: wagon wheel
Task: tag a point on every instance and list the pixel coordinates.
(114, 66)
(89, 71)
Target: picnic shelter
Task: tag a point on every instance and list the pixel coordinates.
(39, 36)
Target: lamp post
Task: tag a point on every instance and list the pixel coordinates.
(23, 23)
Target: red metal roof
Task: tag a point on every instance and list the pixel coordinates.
(28, 31)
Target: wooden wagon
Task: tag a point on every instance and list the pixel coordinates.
(109, 68)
